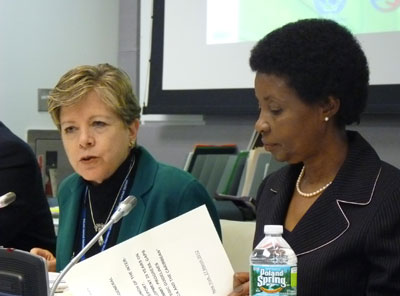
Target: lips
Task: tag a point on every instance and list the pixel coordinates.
(87, 158)
(269, 146)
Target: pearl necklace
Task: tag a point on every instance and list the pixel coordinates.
(312, 193)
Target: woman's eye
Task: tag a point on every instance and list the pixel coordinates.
(275, 110)
(69, 129)
(98, 124)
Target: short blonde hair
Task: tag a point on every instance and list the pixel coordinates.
(110, 83)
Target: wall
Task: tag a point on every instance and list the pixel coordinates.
(129, 26)
(39, 41)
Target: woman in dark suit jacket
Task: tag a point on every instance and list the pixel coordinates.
(339, 203)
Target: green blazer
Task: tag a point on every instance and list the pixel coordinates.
(163, 193)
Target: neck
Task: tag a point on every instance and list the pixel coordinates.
(322, 169)
(104, 197)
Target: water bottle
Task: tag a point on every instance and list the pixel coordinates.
(273, 265)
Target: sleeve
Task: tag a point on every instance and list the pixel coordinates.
(195, 195)
(383, 249)
(19, 173)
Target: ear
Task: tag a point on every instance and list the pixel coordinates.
(330, 107)
(133, 129)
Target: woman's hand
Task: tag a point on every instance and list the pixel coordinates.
(240, 284)
(51, 260)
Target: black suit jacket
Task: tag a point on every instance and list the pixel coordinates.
(348, 242)
(27, 222)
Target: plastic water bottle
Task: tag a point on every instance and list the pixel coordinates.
(273, 265)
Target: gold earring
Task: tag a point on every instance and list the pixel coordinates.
(326, 118)
(131, 144)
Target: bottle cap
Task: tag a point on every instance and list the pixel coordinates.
(273, 229)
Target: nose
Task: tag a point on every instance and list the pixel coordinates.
(262, 125)
(86, 139)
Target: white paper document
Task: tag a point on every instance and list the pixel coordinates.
(182, 257)
(62, 286)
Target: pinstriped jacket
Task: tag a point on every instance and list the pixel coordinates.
(348, 242)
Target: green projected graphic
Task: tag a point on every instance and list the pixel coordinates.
(255, 18)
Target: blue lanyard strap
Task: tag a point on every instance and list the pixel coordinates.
(121, 195)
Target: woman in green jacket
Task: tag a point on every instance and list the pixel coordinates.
(98, 116)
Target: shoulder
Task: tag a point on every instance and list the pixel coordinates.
(178, 190)
(167, 181)
(389, 180)
(390, 171)
(69, 181)
(162, 174)
(178, 181)
(68, 186)
(171, 172)
(14, 149)
(170, 191)
(9, 139)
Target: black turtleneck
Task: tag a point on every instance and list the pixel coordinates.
(102, 199)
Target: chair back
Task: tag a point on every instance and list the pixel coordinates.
(237, 239)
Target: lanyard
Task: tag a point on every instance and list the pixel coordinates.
(121, 195)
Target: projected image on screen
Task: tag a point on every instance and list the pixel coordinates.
(246, 21)
(219, 34)
(200, 50)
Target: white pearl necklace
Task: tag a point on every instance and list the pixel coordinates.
(312, 193)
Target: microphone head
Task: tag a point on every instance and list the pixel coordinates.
(129, 202)
(6, 199)
(124, 208)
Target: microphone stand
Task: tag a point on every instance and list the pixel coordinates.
(125, 207)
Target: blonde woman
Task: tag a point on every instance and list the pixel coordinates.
(98, 117)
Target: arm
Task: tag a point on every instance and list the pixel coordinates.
(27, 222)
(13, 172)
(19, 172)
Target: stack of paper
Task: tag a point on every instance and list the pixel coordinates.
(182, 257)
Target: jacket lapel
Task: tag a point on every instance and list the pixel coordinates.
(144, 180)
(278, 190)
(326, 219)
(323, 223)
(282, 190)
(131, 224)
(68, 224)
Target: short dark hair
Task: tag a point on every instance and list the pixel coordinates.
(317, 58)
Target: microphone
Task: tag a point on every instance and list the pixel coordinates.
(123, 209)
(6, 199)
